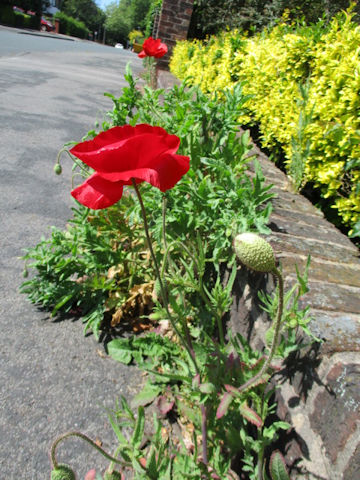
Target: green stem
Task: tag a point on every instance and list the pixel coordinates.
(74, 159)
(260, 433)
(84, 437)
(157, 271)
(165, 261)
(204, 433)
(203, 293)
(247, 385)
(207, 301)
(187, 345)
(112, 464)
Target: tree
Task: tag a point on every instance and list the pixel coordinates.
(126, 16)
(211, 16)
(138, 14)
(85, 10)
(117, 22)
(33, 5)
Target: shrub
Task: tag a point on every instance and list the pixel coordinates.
(71, 26)
(136, 36)
(155, 7)
(7, 16)
(80, 268)
(17, 19)
(304, 83)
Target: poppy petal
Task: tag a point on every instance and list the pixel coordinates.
(154, 48)
(162, 174)
(97, 192)
(126, 148)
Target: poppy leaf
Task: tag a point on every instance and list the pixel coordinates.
(250, 415)
(224, 405)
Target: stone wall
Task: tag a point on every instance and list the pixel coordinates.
(173, 25)
(320, 388)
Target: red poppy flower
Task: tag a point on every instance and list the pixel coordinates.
(153, 48)
(120, 154)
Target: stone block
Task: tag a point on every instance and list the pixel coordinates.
(336, 409)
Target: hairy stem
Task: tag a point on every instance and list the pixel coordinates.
(84, 437)
(204, 433)
(157, 271)
(247, 385)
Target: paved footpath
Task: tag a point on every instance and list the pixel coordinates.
(52, 379)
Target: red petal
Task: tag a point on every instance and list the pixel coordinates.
(126, 148)
(154, 48)
(164, 173)
(142, 54)
(161, 50)
(98, 193)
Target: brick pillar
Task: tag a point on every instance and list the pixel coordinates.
(173, 25)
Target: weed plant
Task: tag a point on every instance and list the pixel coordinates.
(214, 385)
(93, 264)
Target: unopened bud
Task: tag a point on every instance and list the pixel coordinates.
(62, 472)
(254, 252)
(58, 169)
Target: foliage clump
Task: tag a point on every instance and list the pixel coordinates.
(213, 386)
(100, 262)
(213, 16)
(303, 83)
(71, 26)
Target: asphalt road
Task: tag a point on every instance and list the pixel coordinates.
(52, 378)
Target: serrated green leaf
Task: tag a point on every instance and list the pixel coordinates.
(278, 470)
(207, 388)
(120, 351)
(151, 467)
(224, 404)
(139, 428)
(250, 415)
(146, 396)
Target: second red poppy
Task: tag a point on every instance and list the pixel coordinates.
(153, 48)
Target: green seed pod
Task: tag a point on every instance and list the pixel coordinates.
(58, 169)
(254, 252)
(25, 273)
(113, 476)
(62, 472)
(157, 289)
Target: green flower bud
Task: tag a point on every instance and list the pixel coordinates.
(254, 252)
(58, 169)
(62, 472)
(113, 476)
(157, 289)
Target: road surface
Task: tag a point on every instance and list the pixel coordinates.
(52, 378)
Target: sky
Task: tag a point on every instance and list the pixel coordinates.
(103, 3)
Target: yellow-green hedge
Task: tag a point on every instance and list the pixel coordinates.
(272, 66)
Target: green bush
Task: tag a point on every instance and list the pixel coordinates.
(71, 26)
(17, 19)
(303, 82)
(11, 18)
(31, 21)
(7, 15)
